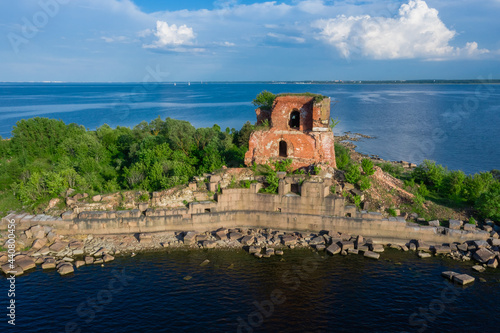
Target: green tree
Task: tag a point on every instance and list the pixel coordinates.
(367, 166)
(264, 100)
(488, 203)
(353, 174)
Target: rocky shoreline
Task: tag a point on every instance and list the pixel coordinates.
(53, 251)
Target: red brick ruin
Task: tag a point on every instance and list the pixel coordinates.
(298, 129)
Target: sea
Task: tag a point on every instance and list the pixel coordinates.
(302, 291)
(456, 125)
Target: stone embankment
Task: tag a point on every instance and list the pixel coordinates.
(65, 254)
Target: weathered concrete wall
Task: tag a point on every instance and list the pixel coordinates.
(314, 209)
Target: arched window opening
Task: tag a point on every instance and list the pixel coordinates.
(295, 120)
(283, 149)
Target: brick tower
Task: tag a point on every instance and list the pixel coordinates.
(298, 130)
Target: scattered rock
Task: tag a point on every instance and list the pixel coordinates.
(483, 255)
(478, 268)
(333, 249)
(79, 263)
(89, 260)
(372, 255)
(463, 279)
(108, 258)
(205, 262)
(449, 275)
(65, 269)
(455, 224)
(424, 255)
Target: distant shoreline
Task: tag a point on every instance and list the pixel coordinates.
(338, 82)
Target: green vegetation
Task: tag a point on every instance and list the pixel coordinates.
(45, 157)
(317, 97)
(333, 123)
(264, 100)
(472, 220)
(456, 189)
(367, 166)
(364, 183)
(342, 156)
(353, 174)
(391, 212)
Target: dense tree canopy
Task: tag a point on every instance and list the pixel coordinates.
(45, 157)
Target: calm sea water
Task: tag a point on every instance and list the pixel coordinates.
(455, 125)
(234, 293)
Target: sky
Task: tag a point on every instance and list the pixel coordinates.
(244, 40)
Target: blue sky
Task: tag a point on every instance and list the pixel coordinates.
(241, 40)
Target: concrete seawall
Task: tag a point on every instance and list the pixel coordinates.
(315, 209)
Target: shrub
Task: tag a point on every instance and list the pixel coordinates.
(317, 169)
(273, 183)
(283, 166)
(488, 204)
(367, 166)
(264, 100)
(430, 173)
(394, 170)
(144, 197)
(472, 220)
(391, 212)
(343, 156)
(353, 174)
(364, 183)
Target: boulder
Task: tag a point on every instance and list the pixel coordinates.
(346, 245)
(371, 254)
(494, 241)
(289, 240)
(79, 263)
(320, 247)
(65, 269)
(96, 198)
(480, 244)
(424, 255)
(209, 244)
(469, 227)
(463, 279)
(377, 248)
(39, 243)
(26, 263)
(108, 258)
(98, 261)
(363, 248)
(279, 252)
(317, 240)
(189, 238)
(51, 236)
(333, 249)
(269, 251)
(455, 224)
(478, 268)
(483, 255)
(49, 264)
(89, 260)
(254, 249)
(434, 223)
(441, 249)
(235, 235)
(493, 263)
(221, 234)
(58, 246)
(247, 240)
(258, 255)
(353, 251)
(463, 247)
(449, 275)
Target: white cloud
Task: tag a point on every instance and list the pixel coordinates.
(416, 32)
(285, 38)
(171, 35)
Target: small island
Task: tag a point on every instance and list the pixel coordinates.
(83, 196)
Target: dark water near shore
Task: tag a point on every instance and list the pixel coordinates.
(456, 125)
(314, 293)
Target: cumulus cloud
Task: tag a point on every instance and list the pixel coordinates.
(416, 32)
(171, 35)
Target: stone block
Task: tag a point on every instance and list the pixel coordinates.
(493, 263)
(449, 275)
(463, 279)
(65, 269)
(189, 238)
(235, 235)
(317, 240)
(209, 244)
(333, 249)
(478, 268)
(39, 243)
(434, 223)
(483, 255)
(377, 248)
(455, 224)
(58, 246)
(371, 254)
(26, 263)
(289, 240)
(247, 240)
(346, 245)
(469, 227)
(108, 258)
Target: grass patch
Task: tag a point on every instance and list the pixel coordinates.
(9, 202)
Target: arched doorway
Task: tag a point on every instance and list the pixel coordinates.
(295, 119)
(283, 149)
